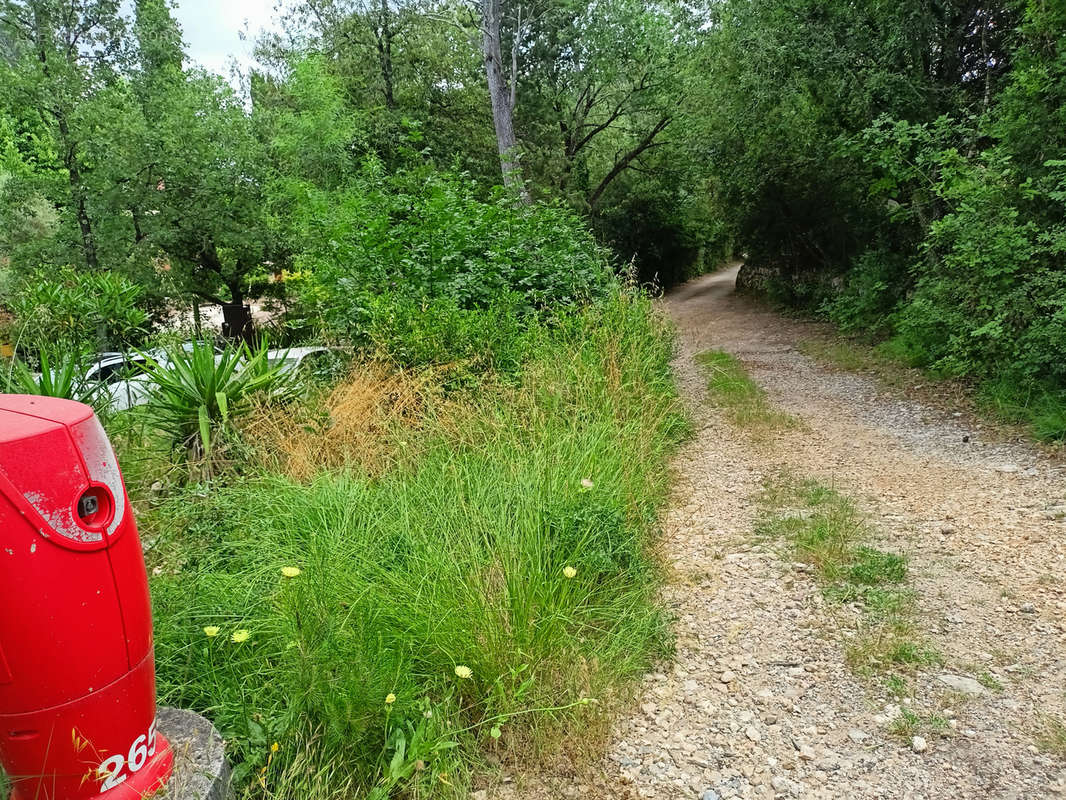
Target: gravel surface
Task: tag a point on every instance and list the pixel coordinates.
(759, 702)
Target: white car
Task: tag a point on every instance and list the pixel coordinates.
(121, 378)
(306, 360)
(122, 381)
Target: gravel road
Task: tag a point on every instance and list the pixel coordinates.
(759, 702)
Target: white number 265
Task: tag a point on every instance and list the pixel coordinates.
(112, 771)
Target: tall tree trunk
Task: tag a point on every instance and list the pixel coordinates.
(77, 192)
(43, 35)
(384, 35)
(500, 96)
(237, 317)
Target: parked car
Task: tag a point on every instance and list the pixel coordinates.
(318, 362)
(121, 379)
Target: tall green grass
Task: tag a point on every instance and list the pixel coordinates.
(494, 591)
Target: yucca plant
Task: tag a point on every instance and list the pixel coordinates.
(62, 375)
(198, 393)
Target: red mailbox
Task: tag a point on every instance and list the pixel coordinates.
(77, 672)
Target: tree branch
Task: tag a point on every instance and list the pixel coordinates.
(621, 165)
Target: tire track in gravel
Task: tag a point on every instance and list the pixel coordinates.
(758, 702)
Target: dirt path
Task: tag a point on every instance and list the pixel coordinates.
(759, 702)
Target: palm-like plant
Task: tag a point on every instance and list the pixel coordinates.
(62, 375)
(198, 393)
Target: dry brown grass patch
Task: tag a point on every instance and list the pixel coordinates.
(359, 424)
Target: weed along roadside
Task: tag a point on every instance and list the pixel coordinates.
(821, 529)
(480, 588)
(400, 541)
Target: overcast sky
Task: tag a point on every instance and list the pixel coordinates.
(212, 29)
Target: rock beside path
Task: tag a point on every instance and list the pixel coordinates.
(962, 684)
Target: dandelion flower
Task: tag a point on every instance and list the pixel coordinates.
(240, 636)
(569, 572)
(290, 572)
(211, 630)
(586, 484)
(275, 747)
(464, 672)
(390, 698)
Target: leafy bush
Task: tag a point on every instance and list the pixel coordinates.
(440, 332)
(459, 556)
(668, 233)
(77, 308)
(418, 238)
(868, 294)
(62, 375)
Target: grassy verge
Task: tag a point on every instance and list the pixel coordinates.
(1052, 736)
(477, 580)
(743, 400)
(1038, 413)
(823, 529)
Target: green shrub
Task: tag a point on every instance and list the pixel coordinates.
(62, 375)
(868, 294)
(427, 238)
(198, 393)
(440, 332)
(667, 233)
(77, 309)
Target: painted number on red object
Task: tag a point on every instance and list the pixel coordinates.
(112, 771)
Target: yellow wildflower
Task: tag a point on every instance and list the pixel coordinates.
(240, 636)
(569, 572)
(390, 698)
(464, 672)
(275, 747)
(211, 630)
(290, 572)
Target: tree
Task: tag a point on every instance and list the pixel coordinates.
(61, 54)
(600, 87)
(210, 211)
(160, 50)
